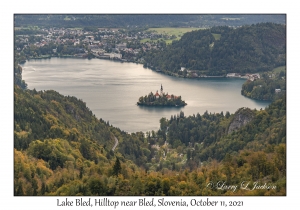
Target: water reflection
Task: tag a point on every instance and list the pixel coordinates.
(160, 108)
(112, 89)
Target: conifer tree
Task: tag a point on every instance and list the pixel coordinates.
(117, 167)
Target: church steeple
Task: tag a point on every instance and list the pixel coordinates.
(161, 90)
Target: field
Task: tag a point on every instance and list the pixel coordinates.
(168, 41)
(75, 28)
(178, 32)
(230, 18)
(279, 69)
(67, 18)
(217, 36)
(27, 28)
(172, 31)
(147, 40)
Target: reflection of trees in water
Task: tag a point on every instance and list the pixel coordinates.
(160, 108)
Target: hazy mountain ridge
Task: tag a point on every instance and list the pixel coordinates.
(145, 20)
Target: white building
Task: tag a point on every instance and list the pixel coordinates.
(115, 55)
(121, 46)
(277, 90)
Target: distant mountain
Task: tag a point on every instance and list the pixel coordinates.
(144, 20)
(220, 50)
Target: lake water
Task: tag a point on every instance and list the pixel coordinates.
(111, 90)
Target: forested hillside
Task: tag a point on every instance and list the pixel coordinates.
(61, 148)
(265, 88)
(221, 50)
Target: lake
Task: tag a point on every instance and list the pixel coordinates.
(112, 89)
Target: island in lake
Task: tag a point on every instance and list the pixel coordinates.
(162, 99)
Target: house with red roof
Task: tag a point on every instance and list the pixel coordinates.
(157, 94)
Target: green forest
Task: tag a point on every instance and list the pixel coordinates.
(270, 86)
(61, 148)
(221, 50)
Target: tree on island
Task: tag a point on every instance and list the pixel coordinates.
(162, 99)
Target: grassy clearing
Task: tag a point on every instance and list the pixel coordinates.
(168, 41)
(75, 28)
(27, 28)
(178, 32)
(230, 18)
(147, 40)
(173, 31)
(217, 36)
(67, 18)
(279, 69)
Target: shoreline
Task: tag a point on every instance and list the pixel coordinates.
(167, 73)
(148, 105)
(152, 110)
(123, 61)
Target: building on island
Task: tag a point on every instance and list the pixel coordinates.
(168, 97)
(162, 94)
(161, 99)
(157, 94)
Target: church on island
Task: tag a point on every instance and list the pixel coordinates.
(161, 99)
(169, 97)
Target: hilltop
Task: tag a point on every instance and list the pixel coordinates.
(221, 50)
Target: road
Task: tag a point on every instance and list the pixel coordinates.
(116, 144)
